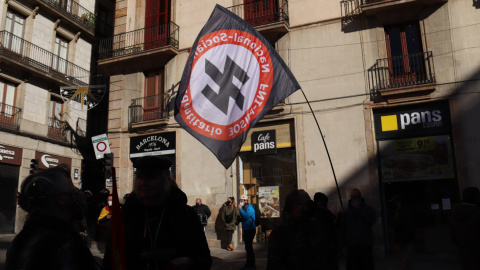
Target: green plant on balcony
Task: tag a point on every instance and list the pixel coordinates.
(89, 18)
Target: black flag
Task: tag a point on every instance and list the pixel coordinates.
(232, 78)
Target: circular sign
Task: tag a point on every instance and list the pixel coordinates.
(230, 82)
(101, 146)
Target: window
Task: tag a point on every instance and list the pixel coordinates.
(259, 11)
(405, 56)
(157, 16)
(55, 114)
(154, 101)
(15, 26)
(7, 99)
(61, 54)
(65, 5)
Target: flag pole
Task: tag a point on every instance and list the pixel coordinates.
(326, 149)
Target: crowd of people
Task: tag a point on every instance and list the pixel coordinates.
(162, 232)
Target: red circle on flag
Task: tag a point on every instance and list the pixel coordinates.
(256, 95)
(104, 146)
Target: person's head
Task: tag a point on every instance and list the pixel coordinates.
(152, 180)
(397, 200)
(109, 200)
(87, 193)
(51, 192)
(243, 200)
(320, 200)
(471, 195)
(230, 200)
(355, 194)
(198, 201)
(297, 204)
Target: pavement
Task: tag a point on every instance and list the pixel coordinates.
(445, 259)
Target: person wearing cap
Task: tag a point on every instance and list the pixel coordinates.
(247, 213)
(403, 232)
(48, 239)
(161, 230)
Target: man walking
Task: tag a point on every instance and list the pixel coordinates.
(247, 213)
(202, 211)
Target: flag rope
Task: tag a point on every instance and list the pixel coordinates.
(326, 149)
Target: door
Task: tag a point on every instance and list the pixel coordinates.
(8, 197)
(157, 17)
(60, 55)
(7, 102)
(15, 28)
(259, 12)
(154, 104)
(405, 54)
(55, 120)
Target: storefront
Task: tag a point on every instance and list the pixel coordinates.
(10, 162)
(49, 160)
(160, 144)
(416, 161)
(268, 171)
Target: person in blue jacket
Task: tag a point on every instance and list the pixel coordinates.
(247, 212)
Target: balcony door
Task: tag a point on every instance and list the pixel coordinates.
(7, 102)
(60, 55)
(157, 17)
(15, 28)
(154, 101)
(405, 54)
(259, 11)
(55, 119)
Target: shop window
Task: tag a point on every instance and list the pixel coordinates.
(405, 54)
(154, 100)
(157, 16)
(278, 178)
(15, 26)
(60, 55)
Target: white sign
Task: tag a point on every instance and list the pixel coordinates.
(100, 145)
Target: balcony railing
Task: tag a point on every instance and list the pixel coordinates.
(57, 130)
(401, 71)
(74, 11)
(24, 52)
(262, 11)
(350, 9)
(139, 40)
(149, 108)
(10, 117)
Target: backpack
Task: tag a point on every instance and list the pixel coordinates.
(256, 221)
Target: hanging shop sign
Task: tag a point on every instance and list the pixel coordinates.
(10, 155)
(418, 120)
(50, 161)
(264, 142)
(269, 204)
(152, 145)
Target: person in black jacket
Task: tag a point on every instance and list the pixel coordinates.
(161, 230)
(202, 211)
(48, 239)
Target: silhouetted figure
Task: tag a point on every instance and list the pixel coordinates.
(105, 221)
(300, 242)
(466, 225)
(161, 230)
(48, 239)
(357, 236)
(247, 213)
(229, 214)
(91, 217)
(203, 212)
(403, 232)
(327, 219)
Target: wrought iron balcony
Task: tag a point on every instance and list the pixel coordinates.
(58, 130)
(149, 109)
(30, 56)
(74, 11)
(10, 117)
(401, 71)
(139, 41)
(262, 11)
